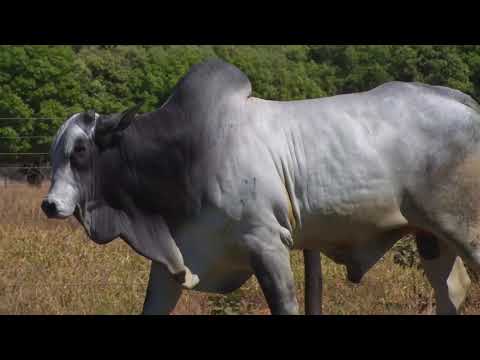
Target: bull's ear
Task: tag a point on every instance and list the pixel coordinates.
(109, 125)
(117, 122)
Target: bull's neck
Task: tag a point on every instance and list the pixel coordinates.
(150, 166)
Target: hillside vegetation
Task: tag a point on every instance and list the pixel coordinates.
(56, 81)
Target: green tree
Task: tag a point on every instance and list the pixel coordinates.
(57, 81)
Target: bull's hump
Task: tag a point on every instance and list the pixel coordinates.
(210, 82)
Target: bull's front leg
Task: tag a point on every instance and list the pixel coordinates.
(270, 261)
(163, 292)
(313, 282)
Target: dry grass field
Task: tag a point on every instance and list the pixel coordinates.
(50, 267)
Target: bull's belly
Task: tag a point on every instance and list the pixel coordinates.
(357, 238)
(220, 269)
(323, 231)
(210, 249)
(222, 281)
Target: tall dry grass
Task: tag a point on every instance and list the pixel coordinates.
(50, 267)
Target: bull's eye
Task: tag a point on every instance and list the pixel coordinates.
(78, 157)
(79, 149)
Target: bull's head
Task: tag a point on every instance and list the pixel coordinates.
(85, 183)
(73, 154)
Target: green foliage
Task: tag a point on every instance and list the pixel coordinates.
(57, 81)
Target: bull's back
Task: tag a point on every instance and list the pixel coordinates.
(351, 157)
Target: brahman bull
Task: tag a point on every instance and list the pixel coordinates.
(217, 185)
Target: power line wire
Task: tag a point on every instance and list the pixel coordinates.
(32, 118)
(27, 137)
(21, 154)
(25, 167)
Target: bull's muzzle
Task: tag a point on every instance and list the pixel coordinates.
(50, 208)
(53, 209)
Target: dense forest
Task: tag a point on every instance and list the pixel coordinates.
(41, 85)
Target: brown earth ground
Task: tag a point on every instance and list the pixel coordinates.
(50, 267)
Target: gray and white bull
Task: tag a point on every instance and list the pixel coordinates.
(217, 185)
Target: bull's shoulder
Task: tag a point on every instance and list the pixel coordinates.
(211, 82)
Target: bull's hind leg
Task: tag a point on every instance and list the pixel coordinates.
(313, 282)
(446, 203)
(445, 272)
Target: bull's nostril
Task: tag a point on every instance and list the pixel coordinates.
(49, 208)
